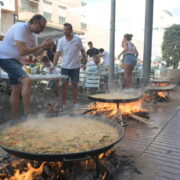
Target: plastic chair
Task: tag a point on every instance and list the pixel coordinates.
(92, 82)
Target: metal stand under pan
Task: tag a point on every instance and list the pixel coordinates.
(118, 102)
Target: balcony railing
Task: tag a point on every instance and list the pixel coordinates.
(30, 5)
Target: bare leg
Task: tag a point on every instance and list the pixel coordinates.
(74, 92)
(26, 93)
(57, 89)
(128, 75)
(64, 91)
(14, 101)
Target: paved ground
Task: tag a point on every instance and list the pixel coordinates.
(158, 147)
(156, 151)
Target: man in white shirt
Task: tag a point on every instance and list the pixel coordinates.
(69, 47)
(105, 56)
(21, 40)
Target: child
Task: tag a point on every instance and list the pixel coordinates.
(50, 69)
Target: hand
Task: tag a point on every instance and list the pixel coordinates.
(119, 56)
(84, 60)
(83, 67)
(47, 43)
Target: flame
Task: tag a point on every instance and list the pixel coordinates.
(163, 94)
(104, 176)
(29, 174)
(110, 109)
(101, 156)
(160, 84)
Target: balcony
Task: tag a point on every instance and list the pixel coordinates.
(30, 6)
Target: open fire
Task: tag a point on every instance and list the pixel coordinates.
(109, 166)
(158, 92)
(111, 109)
(162, 94)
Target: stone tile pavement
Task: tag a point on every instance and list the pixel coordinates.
(162, 144)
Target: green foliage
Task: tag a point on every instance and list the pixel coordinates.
(171, 46)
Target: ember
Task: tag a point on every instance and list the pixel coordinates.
(110, 166)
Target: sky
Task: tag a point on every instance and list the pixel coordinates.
(164, 3)
(128, 11)
(130, 15)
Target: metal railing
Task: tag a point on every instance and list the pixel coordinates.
(30, 5)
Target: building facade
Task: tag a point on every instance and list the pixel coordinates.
(56, 12)
(7, 15)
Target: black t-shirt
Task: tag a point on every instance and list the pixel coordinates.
(50, 55)
(92, 52)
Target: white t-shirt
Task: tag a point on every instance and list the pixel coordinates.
(105, 57)
(17, 32)
(70, 52)
(48, 69)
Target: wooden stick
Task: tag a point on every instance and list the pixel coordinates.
(141, 119)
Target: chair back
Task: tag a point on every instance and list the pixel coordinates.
(92, 80)
(82, 77)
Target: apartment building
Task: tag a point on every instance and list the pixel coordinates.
(7, 18)
(57, 12)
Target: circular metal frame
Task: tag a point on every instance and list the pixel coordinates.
(113, 100)
(69, 156)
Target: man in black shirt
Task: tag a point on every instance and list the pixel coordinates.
(91, 51)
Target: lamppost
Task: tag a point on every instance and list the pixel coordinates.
(1, 4)
(112, 42)
(148, 40)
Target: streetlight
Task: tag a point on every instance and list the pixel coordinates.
(1, 4)
(111, 48)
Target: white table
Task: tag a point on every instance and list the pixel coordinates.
(4, 75)
(47, 76)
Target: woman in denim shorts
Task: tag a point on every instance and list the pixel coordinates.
(130, 55)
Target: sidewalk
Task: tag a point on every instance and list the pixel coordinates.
(160, 148)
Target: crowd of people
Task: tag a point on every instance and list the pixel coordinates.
(20, 47)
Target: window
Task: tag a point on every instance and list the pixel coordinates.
(83, 3)
(83, 26)
(62, 20)
(47, 2)
(62, 7)
(47, 8)
(30, 5)
(47, 15)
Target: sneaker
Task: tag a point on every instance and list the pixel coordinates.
(76, 105)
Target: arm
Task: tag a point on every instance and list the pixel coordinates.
(23, 50)
(101, 55)
(56, 57)
(84, 57)
(38, 52)
(137, 53)
(125, 45)
(32, 50)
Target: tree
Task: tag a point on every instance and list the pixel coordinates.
(171, 46)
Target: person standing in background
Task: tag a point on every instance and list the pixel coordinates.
(20, 41)
(51, 52)
(105, 57)
(69, 47)
(91, 51)
(130, 55)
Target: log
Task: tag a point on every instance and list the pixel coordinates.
(144, 120)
